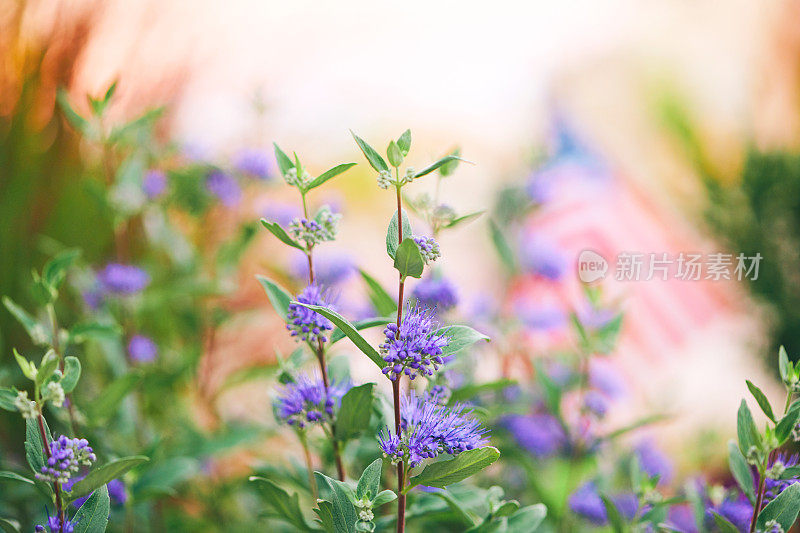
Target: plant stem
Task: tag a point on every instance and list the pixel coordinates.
(759, 501)
(401, 481)
(56, 484)
(51, 311)
(321, 359)
(312, 483)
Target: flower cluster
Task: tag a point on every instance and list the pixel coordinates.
(586, 502)
(306, 324)
(66, 456)
(142, 349)
(154, 183)
(54, 393)
(773, 486)
(414, 347)
(429, 248)
(307, 401)
(26, 407)
(253, 162)
(436, 293)
(291, 177)
(118, 278)
(385, 179)
(322, 228)
(225, 188)
(54, 525)
(428, 429)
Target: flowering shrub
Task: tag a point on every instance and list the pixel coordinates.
(121, 346)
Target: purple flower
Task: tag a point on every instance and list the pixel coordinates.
(595, 403)
(306, 324)
(329, 268)
(66, 456)
(541, 257)
(586, 502)
(594, 318)
(428, 428)
(605, 378)
(54, 524)
(255, 162)
(738, 511)
(428, 247)
(540, 316)
(281, 212)
(93, 298)
(436, 293)
(224, 187)
(654, 462)
(154, 183)
(773, 487)
(681, 518)
(116, 490)
(413, 347)
(123, 279)
(539, 434)
(142, 349)
(307, 402)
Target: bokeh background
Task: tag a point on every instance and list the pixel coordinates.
(665, 127)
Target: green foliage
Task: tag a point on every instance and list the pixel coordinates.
(408, 259)
(353, 416)
(92, 517)
(462, 466)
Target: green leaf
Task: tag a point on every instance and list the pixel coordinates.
(7, 397)
(381, 300)
(462, 466)
(783, 430)
(324, 511)
(284, 163)
(502, 247)
(527, 519)
(344, 512)
(783, 363)
(464, 218)
(507, 508)
(384, 497)
(408, 259)
(467, 392)
(746, 429)
(353, 415)
(93, 330)
(552, 392)
(72, 373)
(27, 367)
(77, 121)
(369, 484)
(741, 471)
(278, 296)
(615, 519)
(427, 170)
(761, 399)
(135, 128)
(92, 517)
(46, 367)
(34, 450)
(101, 476)
(450, 167)
(35, 330)
(161, 478)
(460, 337)
(783, 509)
(9, 526)
(394, 154)
(374, 158)
(55, 270)
(404, 142)
(467, 517)
(280, 233)
(393, 236)
(5, 474)
(107, 403)
(366, 323)
(329, 174)
(349, 330)
(724, 525)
